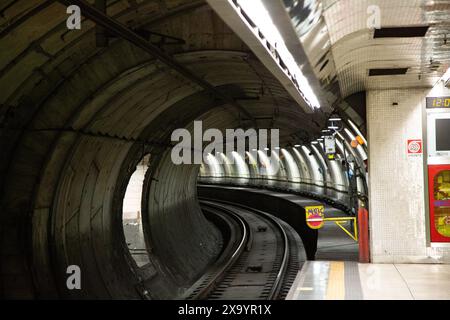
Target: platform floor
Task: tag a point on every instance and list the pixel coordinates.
(349, 280)
(334, 244)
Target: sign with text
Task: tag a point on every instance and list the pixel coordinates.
(315, 216)
(330, 145)
(415, 147)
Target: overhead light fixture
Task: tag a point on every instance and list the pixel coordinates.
(325, 131)
(320, 139)
(335, 119)
(261, 19)
(277, 148)
(297, 146)
(314, 142)
(333, 127)
(266, 149)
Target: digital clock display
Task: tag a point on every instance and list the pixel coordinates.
(438, 102)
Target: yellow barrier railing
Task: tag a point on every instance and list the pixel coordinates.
(339, 222)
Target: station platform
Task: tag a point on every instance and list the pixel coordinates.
(349, 280)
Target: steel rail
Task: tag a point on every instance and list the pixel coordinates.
(279, 279)
(207, 283)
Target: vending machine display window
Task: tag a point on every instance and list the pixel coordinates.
(440, 204)
(442, 134)
(438, 138)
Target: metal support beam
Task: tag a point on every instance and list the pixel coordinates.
(118, 29)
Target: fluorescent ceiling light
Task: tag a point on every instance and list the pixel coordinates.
(257, 12)
(297, 146)
(335, 119)
(333, 127)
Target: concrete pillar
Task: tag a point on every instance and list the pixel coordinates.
(397, 213)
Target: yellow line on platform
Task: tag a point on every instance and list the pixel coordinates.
(336, 281)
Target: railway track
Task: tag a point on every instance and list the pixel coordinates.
(260, 260)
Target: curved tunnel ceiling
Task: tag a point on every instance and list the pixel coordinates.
(342, 46)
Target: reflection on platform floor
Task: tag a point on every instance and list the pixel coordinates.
(339, 280)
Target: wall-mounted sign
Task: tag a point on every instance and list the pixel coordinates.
(330, 145)
(438, 102)
(315, 216)
(415, 147)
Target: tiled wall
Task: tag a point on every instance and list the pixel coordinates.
(396, 181)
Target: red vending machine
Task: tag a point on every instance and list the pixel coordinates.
(438, 160)
(439, 193)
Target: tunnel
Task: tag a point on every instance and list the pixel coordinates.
(88, 112)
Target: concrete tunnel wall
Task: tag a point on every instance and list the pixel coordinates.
(79, 181)
(85, 231)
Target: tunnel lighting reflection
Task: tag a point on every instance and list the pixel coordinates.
(293, 170)
(251, 159)
(257, 12)
(446, 76)
(214, 165)
(267, 165)
(241, 166)
(355, 128)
